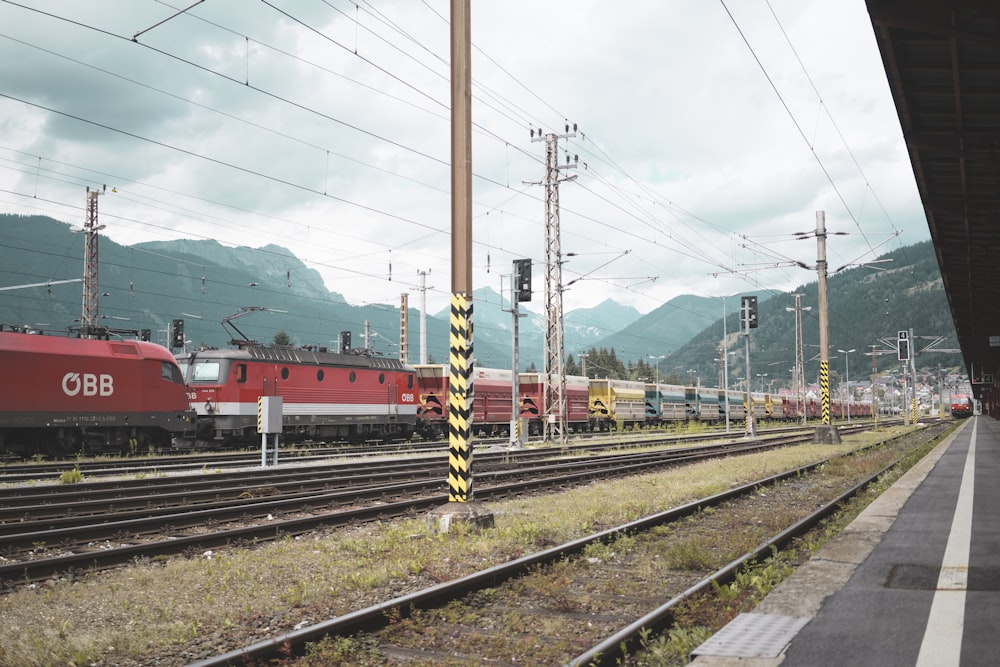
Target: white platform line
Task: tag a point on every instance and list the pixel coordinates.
(942, 643)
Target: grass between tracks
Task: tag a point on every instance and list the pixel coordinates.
(172, 611)
(697, 619)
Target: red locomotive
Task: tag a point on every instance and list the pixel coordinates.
(66, 395)
(352, 397)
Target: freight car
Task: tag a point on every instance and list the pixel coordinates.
(325, 395)
(603, 405)
(702, 403)
(65, 395)
(532, 402)
(492, 402)
(617, 404)
(735, 400)
(665, 403)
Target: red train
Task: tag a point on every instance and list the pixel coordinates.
(67, 395)
(64, 395)
(353, 397)
(961, 405)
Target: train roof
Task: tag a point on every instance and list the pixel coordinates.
(29, 342)
(299, 355)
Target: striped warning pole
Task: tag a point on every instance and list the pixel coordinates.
(748, 412)
(824, 388)
(914, 409)
(460, 400)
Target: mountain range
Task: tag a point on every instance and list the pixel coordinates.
(150, 284)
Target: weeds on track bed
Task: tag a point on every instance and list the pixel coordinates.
(181, 609)
(696, 620)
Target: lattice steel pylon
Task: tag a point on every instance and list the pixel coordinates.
(88, 318)
(555, 376)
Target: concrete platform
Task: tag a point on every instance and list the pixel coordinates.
(914, 580)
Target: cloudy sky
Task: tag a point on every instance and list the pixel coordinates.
(708, 133)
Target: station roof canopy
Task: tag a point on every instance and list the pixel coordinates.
(942, 60)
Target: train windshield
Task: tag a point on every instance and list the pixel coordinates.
(171, 373)
(206, 371)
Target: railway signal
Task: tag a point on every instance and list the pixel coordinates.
(903, 346)
(749, 311)
(177, 334)
(522, 279)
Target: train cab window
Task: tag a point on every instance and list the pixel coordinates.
(206, 371)
(381, 378)
(284, 373)
(319, 375)
(353, 376)
(241, 373)
(171, 373)
(409, 382)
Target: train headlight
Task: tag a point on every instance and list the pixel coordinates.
(209, 407)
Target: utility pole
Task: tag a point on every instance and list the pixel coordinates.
(913, 374)
(847, 383)
(825, 433)
(748, 317)
(404, 327)
(798, 382)
(874, 400)
(520, 290)
(555, 377)
(725, 363)
(423, 314)
(460, 506)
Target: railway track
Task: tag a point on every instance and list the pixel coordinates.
(602, 596)
(16, 472)
(109, 523)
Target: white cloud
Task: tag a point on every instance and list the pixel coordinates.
(338, 147)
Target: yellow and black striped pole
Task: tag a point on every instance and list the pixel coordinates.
(824, 388)
(460, 400)
(460, 339)
(825, 432)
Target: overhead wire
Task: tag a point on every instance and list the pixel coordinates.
(191, 63)
(231, 79)
(829, 115)
(795, 122)
(608, 225)
(115, 128)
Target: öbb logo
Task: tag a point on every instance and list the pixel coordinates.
(88, 384)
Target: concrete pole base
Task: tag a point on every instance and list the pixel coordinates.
(826, 434)
(442, 519)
